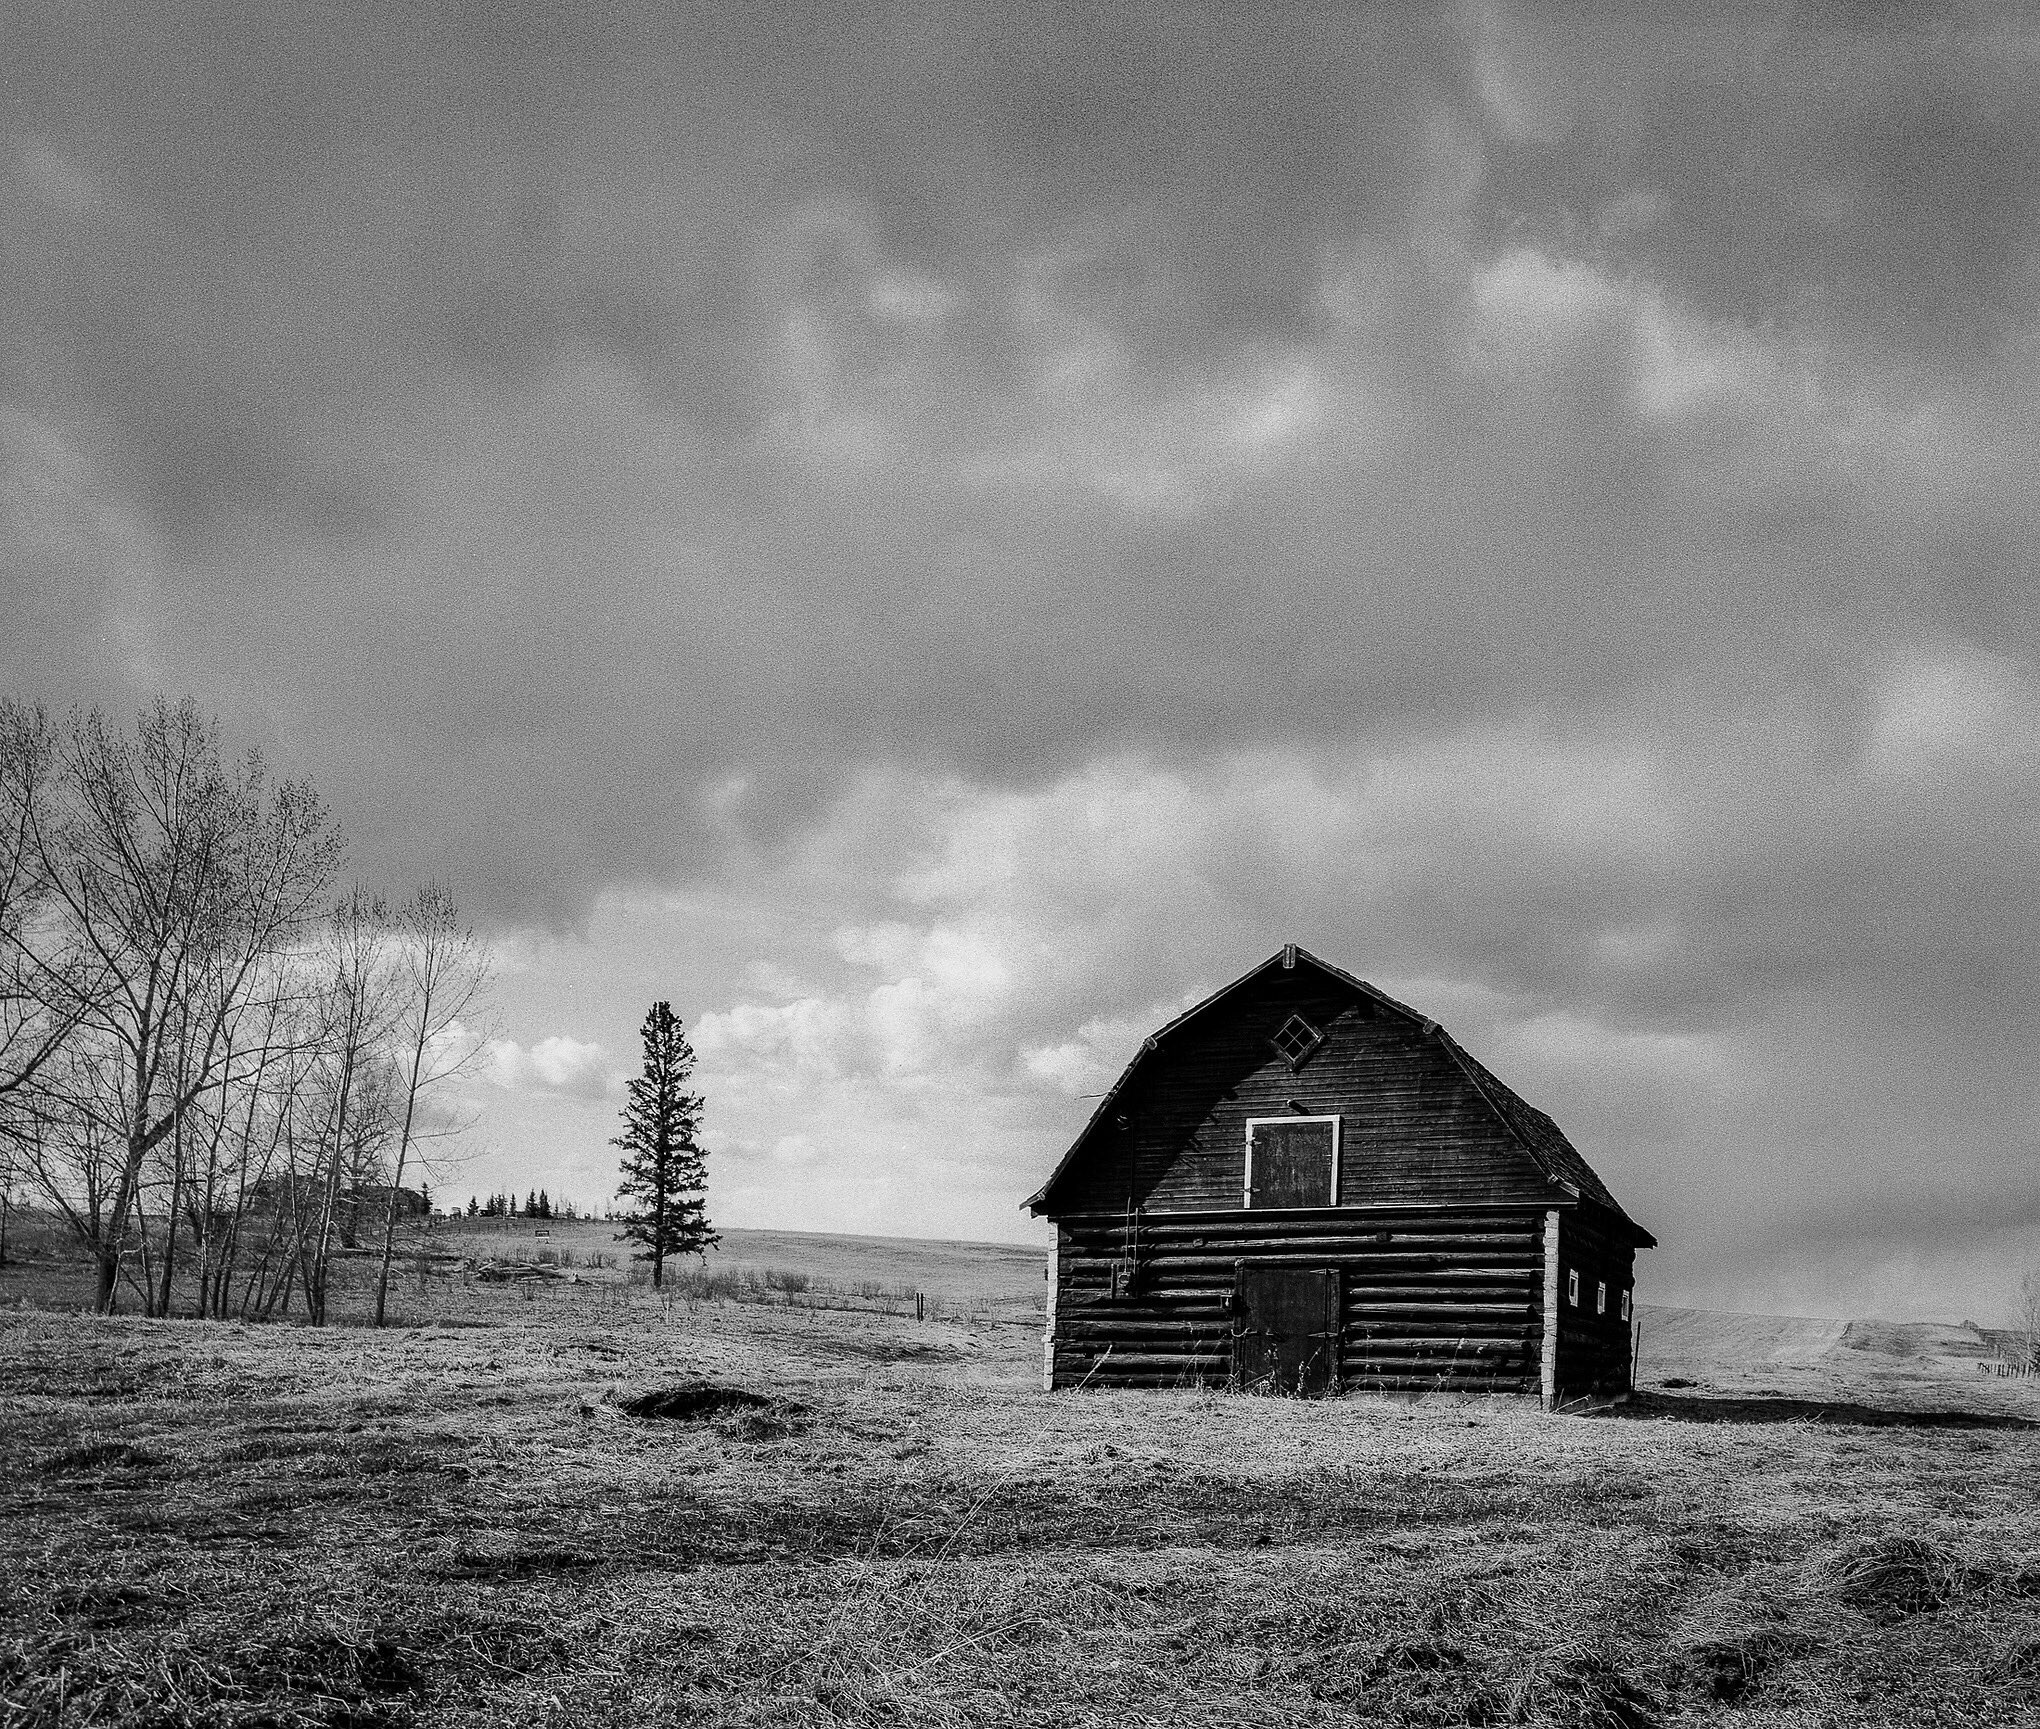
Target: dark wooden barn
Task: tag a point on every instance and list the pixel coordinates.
(1302, 1185)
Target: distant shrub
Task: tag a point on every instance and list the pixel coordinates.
(875, 1288)
(782, 1279)
(700, 1282)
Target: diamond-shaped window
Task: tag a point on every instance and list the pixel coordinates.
(1295, 1040)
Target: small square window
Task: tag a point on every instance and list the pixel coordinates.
(1295, 1040)
(1625, 1305)
(1601, 1296)
(1572, 1287)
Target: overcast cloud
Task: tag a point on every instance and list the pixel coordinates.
(933, 536)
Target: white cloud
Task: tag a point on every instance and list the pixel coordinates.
(557, 1064)
(1942, 709)
(1533, 311)
(1089, 1063)
(809, 1038)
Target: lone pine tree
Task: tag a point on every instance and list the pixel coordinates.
(663, 1174)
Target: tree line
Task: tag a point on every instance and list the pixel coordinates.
(218, 1067)
(537, 1205)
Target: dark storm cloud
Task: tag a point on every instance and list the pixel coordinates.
(252, 252)
(586, 439)
(1869, 171)
(318, 201)
(310, 221)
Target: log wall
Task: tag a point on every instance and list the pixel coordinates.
(1433, 1299)
(1594, 1349)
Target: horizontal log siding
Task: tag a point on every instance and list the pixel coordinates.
(1593, 1350)
(1451, 1300)
(1413, 1130)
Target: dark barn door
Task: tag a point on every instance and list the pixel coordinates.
(1292, 1165)
(1285, 1329)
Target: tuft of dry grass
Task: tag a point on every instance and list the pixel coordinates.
(1889, 1575)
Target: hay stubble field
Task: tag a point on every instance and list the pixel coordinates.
(856, 1518)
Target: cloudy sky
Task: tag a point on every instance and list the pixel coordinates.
(931, 536)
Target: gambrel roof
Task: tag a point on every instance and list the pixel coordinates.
(1553, 1156)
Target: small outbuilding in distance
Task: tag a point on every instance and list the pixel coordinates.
(1304, 1186)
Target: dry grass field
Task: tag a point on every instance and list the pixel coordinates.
(846, 1516)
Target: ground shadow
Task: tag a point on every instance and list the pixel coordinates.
(1731, 1408)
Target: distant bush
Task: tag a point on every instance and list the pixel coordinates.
(781, 1279)
(700, 1282)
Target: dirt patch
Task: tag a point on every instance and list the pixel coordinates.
(496, 1564)
(1729, 1663)
(691, 1402)
(734, 1411)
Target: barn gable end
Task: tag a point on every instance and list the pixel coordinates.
(1415, 1127)
(1443, 1226)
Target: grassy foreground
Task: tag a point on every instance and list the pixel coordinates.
(210, 1523)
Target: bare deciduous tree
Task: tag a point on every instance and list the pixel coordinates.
(43, 989)
(444, 969)
(360, 1007)
(208, 1085)
(2026, 1319)
(176, 881)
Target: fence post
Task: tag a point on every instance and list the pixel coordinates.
(920, 1306)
